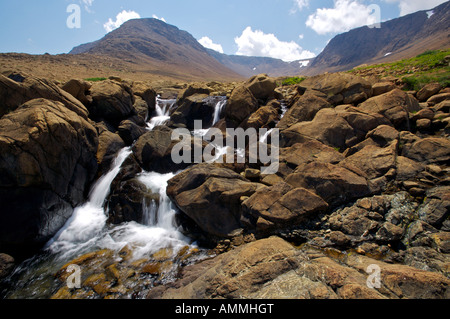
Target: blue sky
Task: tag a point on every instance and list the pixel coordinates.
(286, 29)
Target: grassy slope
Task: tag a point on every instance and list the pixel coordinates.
(430, 66)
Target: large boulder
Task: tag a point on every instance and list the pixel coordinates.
(342, 127)
(111, 101)
(79, 89)
(281, 206)
(241, 105)
(211, 196)
(335, 184)
(304, 109)
(47, 162)
(428, 150)
(194, 107)
(340, 88)
(109, 144)
(262, 87)
(16, 89)
(394, 105)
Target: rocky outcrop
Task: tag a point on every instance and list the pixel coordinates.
(340, 88)
(79, 89)
(211, 196)
(111, 101)
(272, 268)
(16, 89)
(47, 162)
(248, 97)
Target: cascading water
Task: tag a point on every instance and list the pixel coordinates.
(218, 110)
(162, 110)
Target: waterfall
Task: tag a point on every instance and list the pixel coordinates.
(162, 110)
(218, 110)
(88, 220)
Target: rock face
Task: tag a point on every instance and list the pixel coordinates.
(111, 101)
(248, 98)
(272, 268)
(47, 161)
(16, 89)
(211, 196)
(340, 88)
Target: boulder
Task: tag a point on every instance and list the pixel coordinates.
(335, 184)
(192, 90)
(265, 117)
(428, 150)
(142, 108)
(304, 109)
(282, 206)
(111, 101)
(146, 93)
(194, 107)
(262, 87)
(241, 105)
(310, 151)
(342, 127)
(153, 150)
(340, 88)
(47, 163)
(79, 89)
(210, 196)
(438, 98)
(436, 208)
(374, 161)
(428, 91)
(129, 131)
(16, 89)
(109, 144)
(394, 105)
(382, 87)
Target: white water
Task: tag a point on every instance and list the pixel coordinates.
(218, 110)
(162, 108)
(88, 220)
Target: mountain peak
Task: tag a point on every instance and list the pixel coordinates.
(158, 46)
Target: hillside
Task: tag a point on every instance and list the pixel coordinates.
(397, 39)
(158, 48)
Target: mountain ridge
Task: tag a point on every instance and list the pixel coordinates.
(397, 39)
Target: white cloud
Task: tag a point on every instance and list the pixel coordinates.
(258, 43)
(121, 18)
(344, 16)
(411, 6)
(156, 17)
(208, 43)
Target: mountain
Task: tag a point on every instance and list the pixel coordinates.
(397, 39)
(250, 65)
(157, 47)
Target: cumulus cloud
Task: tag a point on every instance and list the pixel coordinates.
(121, 18)
(410, 6)
(258, 43)
(156, 17)
(209, 44)
(344, 16)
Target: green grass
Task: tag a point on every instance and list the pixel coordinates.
(95, 79)
(293, 81)
(416, 72)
